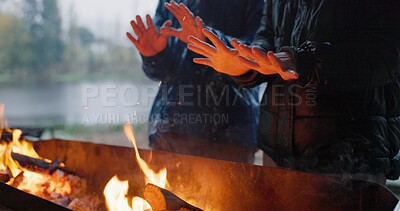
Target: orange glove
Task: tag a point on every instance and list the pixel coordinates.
(221, 58)
(191, 26)
(268, 64)
(149, 41)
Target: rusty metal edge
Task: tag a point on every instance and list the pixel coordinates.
(15, 199)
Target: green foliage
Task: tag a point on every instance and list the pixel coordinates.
(33, 47)
(14, 44)
(44, 26)
(85, 36)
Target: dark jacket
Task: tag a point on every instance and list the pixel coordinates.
(342, 114)
(194, 99)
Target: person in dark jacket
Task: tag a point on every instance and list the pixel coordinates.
(197, 110)
(332, 103)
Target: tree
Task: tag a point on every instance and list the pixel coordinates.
(14, 44)
(85, 36)
(43, 23)
(51, 40)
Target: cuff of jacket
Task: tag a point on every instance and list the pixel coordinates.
(249, 79)
(305, 64)
(154, 66)
(156, 59)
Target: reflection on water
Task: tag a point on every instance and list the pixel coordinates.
(77, 103)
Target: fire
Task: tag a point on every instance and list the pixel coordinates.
(38, 183)
(116, 191)
(21, 146)
(3, 163)
(7, 163)
(160, 178)
(42, 183)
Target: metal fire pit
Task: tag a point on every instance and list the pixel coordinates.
(219, 185)
(13, 199)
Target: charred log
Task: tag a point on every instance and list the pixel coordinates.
(4, 176)
(38, 164)
(161, 199)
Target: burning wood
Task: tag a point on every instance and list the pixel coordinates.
(115, 191)
(22, 168)
(161, 199)
(35, 164)
(157, 198)
(4, 176)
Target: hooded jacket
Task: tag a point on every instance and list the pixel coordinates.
(196, 100)
(343, 112)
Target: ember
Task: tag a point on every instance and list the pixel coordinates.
(22, 168)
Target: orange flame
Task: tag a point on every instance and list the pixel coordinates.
(115, 191)
(36, 183)
(21, 146)
(160, 178)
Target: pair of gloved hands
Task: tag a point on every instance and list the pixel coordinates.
(242, 58)
(151, 40)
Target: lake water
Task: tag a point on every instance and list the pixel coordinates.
(77, 103)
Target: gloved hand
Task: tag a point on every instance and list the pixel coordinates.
(267, 63)
(242, 58)
(190, 25)
(149, 41)
(220, 57)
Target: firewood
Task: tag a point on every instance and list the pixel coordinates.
(38, 164)
(4, 176)
(161, 199)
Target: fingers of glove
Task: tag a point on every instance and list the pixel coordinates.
(187, 14)
(245, 51)
(214, 39)
(136, 28)
(260, 55)
(235, 43)
(202, 45)
(140, 24)
(249, 63)
(133, 40)
(274, 61)
(198, 50)
(150, 24)
(204, 61)
(169, 31)
(174, 9)
(167, 23)
(200, 22)
(289, 75)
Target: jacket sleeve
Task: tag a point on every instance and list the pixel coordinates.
(264, 39)
(252, 18)
(363, 53)
(159, 66)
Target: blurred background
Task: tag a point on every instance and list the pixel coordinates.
(67, 67)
